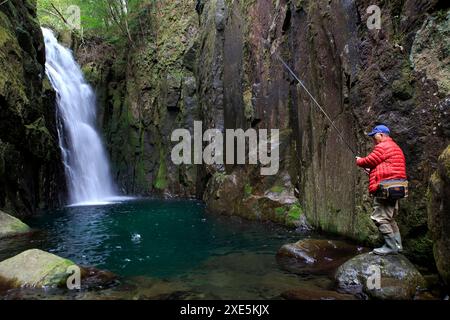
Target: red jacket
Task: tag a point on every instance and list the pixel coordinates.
(386, 162)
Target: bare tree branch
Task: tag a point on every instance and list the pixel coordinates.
(59, 13)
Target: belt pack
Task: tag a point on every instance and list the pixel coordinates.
(393, 189)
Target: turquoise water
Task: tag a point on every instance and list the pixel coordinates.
(157, 238)
(165, 249)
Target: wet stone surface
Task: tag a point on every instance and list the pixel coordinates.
(391, 277)
(316, 256)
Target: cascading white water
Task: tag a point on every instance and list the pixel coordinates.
(86, 164)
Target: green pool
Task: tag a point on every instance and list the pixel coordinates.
(167, 248)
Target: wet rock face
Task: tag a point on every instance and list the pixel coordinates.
(391, 277)
(360, 76)
(315, 256)
(429, 52)
(439, 215)
(31, 173)
(10, 226)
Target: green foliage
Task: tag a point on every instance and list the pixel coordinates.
(277, 189)
(280, 211)
(219, 177)
(248, 190)
(113, 19)
(295, 212)
(161, 179)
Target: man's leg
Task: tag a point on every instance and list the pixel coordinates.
(394, 225)
(383, 217)
(396, 230)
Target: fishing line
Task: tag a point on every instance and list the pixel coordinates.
(268, 45)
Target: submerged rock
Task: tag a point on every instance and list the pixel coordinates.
(35, 268)
(93, 278)
(391, 277)
(10, 226)
(315, 256)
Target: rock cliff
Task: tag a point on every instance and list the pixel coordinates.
(31, 174)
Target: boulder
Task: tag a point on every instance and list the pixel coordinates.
(391, 277)
(10, 226)
(313, 256)
(35, 269)
(439, 215)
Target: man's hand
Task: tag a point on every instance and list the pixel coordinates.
(367, 171)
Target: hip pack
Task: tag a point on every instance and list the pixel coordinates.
(393, 189)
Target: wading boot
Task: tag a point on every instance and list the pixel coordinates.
(398, 241)
(390, 246)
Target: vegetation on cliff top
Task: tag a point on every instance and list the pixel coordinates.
(116, 20)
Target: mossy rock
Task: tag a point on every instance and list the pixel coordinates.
(294, 213)
(430, 47)
(10, 226)
(444, 160)
(439, 215)
(402, 89)
(248, 190)
(277, 189)
(398, 278)
(35, 269)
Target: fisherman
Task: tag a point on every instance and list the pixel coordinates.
(386, 162)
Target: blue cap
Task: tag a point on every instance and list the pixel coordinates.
(380, 129)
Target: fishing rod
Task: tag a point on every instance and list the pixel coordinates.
(367, 171)
(268, 45)
(316, 103)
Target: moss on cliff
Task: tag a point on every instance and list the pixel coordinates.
(439, 215)
(161, 178)
(146, 94)
(32, 175)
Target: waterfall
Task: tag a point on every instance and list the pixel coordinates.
(86, 163)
